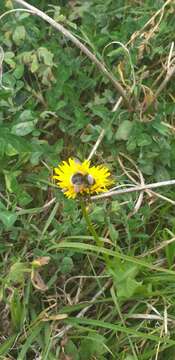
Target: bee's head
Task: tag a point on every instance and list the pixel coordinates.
(77, 179)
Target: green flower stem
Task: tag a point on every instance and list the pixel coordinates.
(89, 224)
(91, 228)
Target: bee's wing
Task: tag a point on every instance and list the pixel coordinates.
(90, 179)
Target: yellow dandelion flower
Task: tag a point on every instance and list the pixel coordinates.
(75, 178)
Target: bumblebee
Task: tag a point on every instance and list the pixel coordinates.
(81, 182)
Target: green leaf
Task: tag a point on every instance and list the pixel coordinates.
(35, 64)
(92, 347)
(35, 157)
(97, 214)
(147, 166)
(26, 115)
(6, 345)
(46, 55)
(8, 218)
(9, 59)
(9, 141)
(161, 128)
(2, 206)
(71, 350)
(162, 173)
(127, 288)
(19, 71)
(23, 128)
(124, 130)
(11, 180)
(114, 235)
(17, 271)
(124, 278)
(144, 140)
(115, 52)
(59, 145)
(10, 150)
(24, 198)
(66, 265)
(131, 144)
(17, 310)
(23, 15)
(170, 253)
(19, 35)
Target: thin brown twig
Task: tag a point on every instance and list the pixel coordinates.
(80, 45)
(158, 248)
(102, 133)
(66, 328)
(164, 83)
(140, 198)
(170, 73)
(167, 66)
(133, 189)
(149, 192)
(170, 56)
(49, 203)
(116, 106)
(148, 317)
(1, 69)
(158, 345)
(100, 138)
(15, 10)
(161, 197)
(80, 278)
(149, 22)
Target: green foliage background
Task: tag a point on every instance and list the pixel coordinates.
(54, 103)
